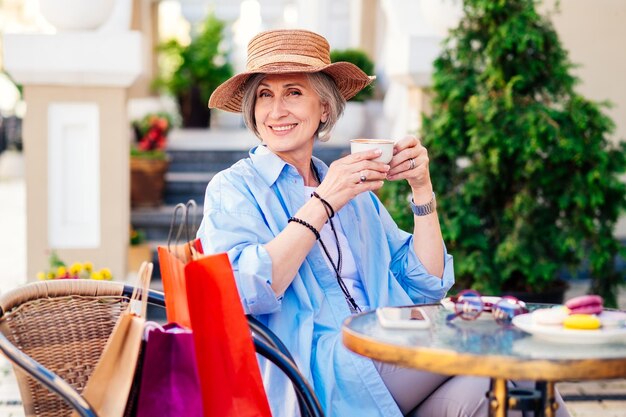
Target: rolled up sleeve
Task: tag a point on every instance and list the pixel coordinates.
(422, 286)
(233, 224)
(253, 273)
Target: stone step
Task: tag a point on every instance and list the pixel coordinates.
(189, 173)
(155, 222)
(191, 170)
(215, 160)
(199, 160)
(182, 186)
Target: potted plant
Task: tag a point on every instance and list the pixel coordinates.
(149, 161)
(77, 270)
(139, 250)
(352, 122)
(527, 179)
(191, 72)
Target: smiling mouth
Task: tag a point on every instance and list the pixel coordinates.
(283, 128)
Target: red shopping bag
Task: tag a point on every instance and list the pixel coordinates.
(172, 261)
(230, 379)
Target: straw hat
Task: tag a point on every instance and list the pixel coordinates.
(288, 51)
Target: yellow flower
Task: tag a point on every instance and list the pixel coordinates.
(97, 275)
(106, 273)
(61, 271)
(76, 268)
(88, 266)
(50, 275)
(41, 276)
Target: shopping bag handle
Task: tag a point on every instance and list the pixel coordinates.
(182, 208)
(190, 213)
(140, 292)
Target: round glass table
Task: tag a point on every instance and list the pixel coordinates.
(485, 348)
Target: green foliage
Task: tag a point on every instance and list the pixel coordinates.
(202, 64)
(359, 58)
(151, 133)
(137, 237)
(20, 87)
(526, 176)
(54, 260)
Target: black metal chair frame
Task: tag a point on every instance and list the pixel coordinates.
(266, 343)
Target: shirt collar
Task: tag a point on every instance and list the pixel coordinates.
(269, 165)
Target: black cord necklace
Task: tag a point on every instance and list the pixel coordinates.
(354, 307)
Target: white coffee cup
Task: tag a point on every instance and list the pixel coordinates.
(385, 145)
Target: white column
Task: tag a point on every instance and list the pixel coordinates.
(76, 136)
(329, 18)
(414, 31)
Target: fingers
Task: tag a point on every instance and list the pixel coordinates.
(362, 156)
(405, 143)
(361, 161)
(369, 175)
(408, 158)
(365, 183)
(410, 162)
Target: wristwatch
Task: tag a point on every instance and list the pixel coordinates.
(424, 209)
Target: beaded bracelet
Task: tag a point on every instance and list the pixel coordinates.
(329, 209)
(305, 224)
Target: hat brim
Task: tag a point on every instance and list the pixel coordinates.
(348, 77)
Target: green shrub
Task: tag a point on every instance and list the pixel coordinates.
(359, 58)
(526, 176)
(202, 64)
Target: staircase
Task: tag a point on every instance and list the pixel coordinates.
(196, 156)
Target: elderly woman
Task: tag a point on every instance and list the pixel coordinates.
(312, 244)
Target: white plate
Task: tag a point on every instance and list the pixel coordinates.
(561, 335)
(449, 305)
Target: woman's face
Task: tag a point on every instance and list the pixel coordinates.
(288, 111)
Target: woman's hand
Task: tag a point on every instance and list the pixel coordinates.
(410, 162)
(351, 175)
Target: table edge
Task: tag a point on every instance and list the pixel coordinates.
(448, 362)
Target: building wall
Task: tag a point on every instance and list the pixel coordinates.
(593, 32)
(114, 177)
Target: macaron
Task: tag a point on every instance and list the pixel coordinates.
(582, 322)
(585, 304)
(550, 316)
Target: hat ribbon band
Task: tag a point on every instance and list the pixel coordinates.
(285, 58)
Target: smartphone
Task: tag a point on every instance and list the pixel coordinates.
(403, 318)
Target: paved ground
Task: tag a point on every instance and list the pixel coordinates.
(583, 399)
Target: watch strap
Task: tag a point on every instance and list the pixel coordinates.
(424, 209)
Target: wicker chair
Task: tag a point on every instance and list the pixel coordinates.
(54, 332)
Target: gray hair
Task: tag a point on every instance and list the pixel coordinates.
(322, 84)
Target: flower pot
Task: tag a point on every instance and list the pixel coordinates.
(147, 181)
(138, 254)
(193, 110)
(76, 14)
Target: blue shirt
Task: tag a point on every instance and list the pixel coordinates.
(248, 205)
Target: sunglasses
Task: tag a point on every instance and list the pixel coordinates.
(469, 305)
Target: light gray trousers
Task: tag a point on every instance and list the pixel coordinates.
(425, 394)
